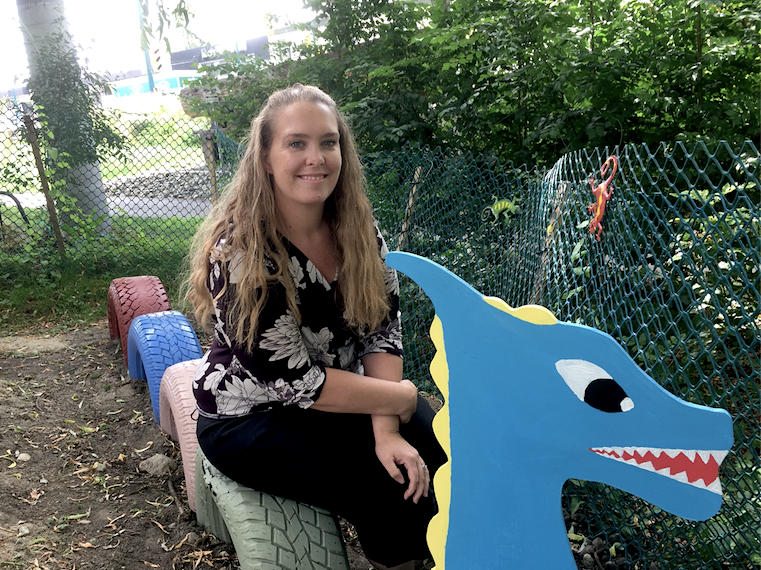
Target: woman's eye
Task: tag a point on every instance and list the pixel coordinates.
(297, 144)
(330, 143)
(594, 386)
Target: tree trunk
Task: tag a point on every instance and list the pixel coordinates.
(40, 20)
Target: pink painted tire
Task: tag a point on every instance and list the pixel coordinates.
(178, 419)
(130, 297)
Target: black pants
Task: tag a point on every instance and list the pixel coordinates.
(328, 460)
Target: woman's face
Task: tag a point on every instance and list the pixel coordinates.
(304, 157)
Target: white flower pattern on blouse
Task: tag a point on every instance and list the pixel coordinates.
(219, 329)
(346, 355)
(318, 345)
(316, 276)
(284, 339)
(213, 378)
(296, 272)
(286, 365)
(240, 395)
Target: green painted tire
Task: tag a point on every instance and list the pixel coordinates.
(268, 532)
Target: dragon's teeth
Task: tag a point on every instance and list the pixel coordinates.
(682, 476)
(719, 455)
(635, 456)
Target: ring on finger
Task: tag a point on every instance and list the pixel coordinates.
(425, 468)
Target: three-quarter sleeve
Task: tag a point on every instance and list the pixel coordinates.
(388, 336)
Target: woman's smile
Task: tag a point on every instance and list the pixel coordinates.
(304, 158)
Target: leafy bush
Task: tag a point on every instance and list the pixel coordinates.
(234, 91)
(70, 96)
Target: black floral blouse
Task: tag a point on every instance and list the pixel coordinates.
(287, 364)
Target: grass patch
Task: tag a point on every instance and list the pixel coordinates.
(40, 293)
(74, 300)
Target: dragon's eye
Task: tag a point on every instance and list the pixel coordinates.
(593, 385)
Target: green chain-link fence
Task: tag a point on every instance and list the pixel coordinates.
(130, 214)
(675, 276)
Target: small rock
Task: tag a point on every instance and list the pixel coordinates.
(587, 561)
(23, 531)
(610, 566)
(158, 465)
(23, 457)
(598, 543)
(587, 549)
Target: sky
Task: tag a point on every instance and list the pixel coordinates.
(108, 31)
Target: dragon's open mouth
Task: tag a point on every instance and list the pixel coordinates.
(697, 468)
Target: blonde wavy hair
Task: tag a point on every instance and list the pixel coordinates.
(247, 217)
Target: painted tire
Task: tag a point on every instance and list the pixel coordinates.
(177, 407)
(155, 342)
(129, 297)
(268, 532)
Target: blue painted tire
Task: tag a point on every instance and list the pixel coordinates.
(156, 341)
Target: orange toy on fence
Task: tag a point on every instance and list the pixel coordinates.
(602, 193)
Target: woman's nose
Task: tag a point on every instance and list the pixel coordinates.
(315, 157)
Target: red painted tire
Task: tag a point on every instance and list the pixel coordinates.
(178, 419)
(130, 297)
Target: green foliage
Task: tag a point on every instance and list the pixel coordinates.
(237, 88)
(133, 246)
(70, 96)
(151, 131)
(17, 168)
(152, 26)
(734, 531)
(531, 80)
(171, 137)
(366, 61)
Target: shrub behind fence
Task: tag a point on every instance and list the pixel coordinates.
(675, 276)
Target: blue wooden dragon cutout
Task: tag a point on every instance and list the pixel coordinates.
(532, 402)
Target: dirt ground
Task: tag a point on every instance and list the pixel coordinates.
(74, 429)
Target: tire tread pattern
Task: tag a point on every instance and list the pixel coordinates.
(156, 341)
(129, 297)
(177, 407)
(268, 532)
